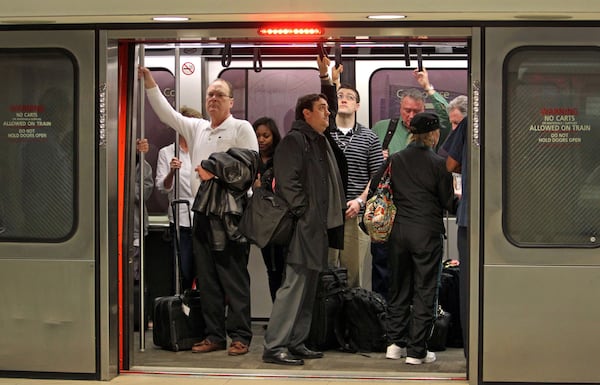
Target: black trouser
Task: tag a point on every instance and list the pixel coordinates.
(274, 258)
(223, 280)
(415, 263)
(186, 255)
(380, 274)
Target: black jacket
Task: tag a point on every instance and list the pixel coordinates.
(421, 185)
(222, 199)
(301, 174)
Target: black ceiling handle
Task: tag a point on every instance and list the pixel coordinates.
(227, 55)
(419, 59)
(257, 60)
(322, 51)
(406, 54)
(338, 55)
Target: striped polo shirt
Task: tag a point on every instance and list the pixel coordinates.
(364, 156)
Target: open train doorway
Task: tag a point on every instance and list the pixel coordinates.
(269, 84)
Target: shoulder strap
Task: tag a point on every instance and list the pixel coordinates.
(390, 133)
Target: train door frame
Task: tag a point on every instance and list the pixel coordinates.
(112, 38)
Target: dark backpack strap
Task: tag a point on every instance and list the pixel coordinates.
(390, 133)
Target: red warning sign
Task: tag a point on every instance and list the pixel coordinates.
(188, 68)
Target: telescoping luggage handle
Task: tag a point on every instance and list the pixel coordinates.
(178, 275)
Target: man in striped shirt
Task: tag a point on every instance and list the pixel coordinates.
(364, 157)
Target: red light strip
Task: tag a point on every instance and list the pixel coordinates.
(290, 31)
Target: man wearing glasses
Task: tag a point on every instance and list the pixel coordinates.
(363, 153)
(224, 273)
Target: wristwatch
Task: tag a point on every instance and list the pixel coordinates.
(360, 202)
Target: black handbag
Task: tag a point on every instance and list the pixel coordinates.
(439, 331)
(267, 219)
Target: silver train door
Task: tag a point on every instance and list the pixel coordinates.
(540, 206)
(48, 258)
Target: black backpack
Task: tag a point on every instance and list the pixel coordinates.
(328, 309)
(362, 326)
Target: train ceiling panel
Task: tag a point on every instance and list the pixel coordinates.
(138, 11)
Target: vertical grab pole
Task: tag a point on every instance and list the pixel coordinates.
(142, 199)
(175, 208)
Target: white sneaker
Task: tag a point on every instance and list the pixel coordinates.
(395, 352)
(430, 357)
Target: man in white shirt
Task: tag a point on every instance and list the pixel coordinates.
(223, 277)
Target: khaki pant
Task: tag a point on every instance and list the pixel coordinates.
(356, 256)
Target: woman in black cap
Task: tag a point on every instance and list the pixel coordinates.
(422, 189)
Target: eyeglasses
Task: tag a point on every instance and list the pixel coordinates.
(350, 97)
(218, 95)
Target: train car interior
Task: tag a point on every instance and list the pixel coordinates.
(267, 79)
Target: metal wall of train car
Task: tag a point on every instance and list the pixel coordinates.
(540, 205)
(48, 262)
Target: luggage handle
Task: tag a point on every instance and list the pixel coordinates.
(182, 201)
(178, 275)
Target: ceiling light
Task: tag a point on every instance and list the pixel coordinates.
(290, 30)
(385, 17)
(170, 18)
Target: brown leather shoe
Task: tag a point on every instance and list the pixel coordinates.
(206, 346)
(237, 348)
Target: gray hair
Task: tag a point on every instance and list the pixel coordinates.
(412, 93)
(460, 103)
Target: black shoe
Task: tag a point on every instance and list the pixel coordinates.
(306, 353)
(281, 358)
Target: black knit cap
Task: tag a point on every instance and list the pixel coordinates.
(424, 122)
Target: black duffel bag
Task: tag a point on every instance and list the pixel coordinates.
(267, 219)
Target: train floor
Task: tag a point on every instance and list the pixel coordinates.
(162, 379)
(450, 364)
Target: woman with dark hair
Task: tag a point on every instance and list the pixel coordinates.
(268, 137)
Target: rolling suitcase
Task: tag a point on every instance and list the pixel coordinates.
(178, 319)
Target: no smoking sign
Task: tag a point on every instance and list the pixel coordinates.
(188, 68)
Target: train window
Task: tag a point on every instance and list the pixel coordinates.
(270, 92)
(551, 170)
(387, 84)
(37, 146)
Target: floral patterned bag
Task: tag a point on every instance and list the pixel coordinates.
(380, 210)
